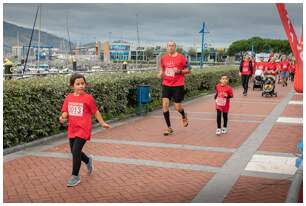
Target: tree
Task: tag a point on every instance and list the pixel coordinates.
(220, 55)
(179, 50)
(259, 45)
(192, 52)
(163, 51)
(149, 53)
(206, 54)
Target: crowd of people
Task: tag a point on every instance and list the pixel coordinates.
(281, 67)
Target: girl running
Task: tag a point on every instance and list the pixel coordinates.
(223, 94)
(78, 108)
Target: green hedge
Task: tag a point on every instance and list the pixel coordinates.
(32, 106)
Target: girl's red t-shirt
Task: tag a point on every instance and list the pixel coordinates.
(271, 66)
(80, 110)
(222, 102)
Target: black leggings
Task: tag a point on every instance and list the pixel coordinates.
(291, 75)
(245, 82)
(76, 146)
(225, 119)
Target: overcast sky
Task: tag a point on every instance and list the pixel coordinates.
(158, 23)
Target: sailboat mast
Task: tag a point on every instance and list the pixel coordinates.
(29, 47)
(38, 48)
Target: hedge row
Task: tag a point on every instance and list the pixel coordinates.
(32, 106)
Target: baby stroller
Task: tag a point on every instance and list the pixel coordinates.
(269, 86)
(258, 79)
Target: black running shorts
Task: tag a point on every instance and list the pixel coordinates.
(175, 93)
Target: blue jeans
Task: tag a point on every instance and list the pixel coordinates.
(285, 75)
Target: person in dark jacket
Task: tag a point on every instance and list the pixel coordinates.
(245, 71)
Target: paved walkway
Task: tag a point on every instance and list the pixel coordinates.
(134, 162)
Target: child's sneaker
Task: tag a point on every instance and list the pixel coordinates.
(224, 130)
(218, 132)
(89, 165)
(73, 181)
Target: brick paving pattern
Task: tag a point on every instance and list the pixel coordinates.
(29, 178)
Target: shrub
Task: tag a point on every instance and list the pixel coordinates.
(32, 106)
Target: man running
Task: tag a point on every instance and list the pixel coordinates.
(172, 72)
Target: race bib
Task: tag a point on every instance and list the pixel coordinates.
(75, 109)
(170, 72)
(245, 69)
(221, 101)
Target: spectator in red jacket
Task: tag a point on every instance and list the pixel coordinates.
(246, 70)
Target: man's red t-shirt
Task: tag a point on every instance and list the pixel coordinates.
(261, 65)
(170, 64)
(271, 66)
(222, 102)
(284, 66)
(80, 110)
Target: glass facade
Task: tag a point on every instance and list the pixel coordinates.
(119, 52)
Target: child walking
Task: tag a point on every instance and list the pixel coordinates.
(223, 94)
(78, 108)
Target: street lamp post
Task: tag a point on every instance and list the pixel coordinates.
(202, 45)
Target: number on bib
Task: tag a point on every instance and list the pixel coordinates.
(245, 69)
(75, 109)
(221, 101)
(170, 72)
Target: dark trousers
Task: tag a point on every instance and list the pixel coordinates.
(76, 146)
(291, 75)
(225, 119)
(245, 82)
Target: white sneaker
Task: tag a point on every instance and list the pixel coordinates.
(224, 130)
(218, 132)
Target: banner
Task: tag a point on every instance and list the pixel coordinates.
(296, 46)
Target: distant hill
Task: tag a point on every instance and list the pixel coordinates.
(10, 37)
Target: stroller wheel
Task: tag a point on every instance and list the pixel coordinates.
(275, 94)
(262, 94)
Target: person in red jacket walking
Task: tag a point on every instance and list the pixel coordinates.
(246, 70)
(223, 94)
(78, 108)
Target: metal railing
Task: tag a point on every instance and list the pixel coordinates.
(27, 75)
